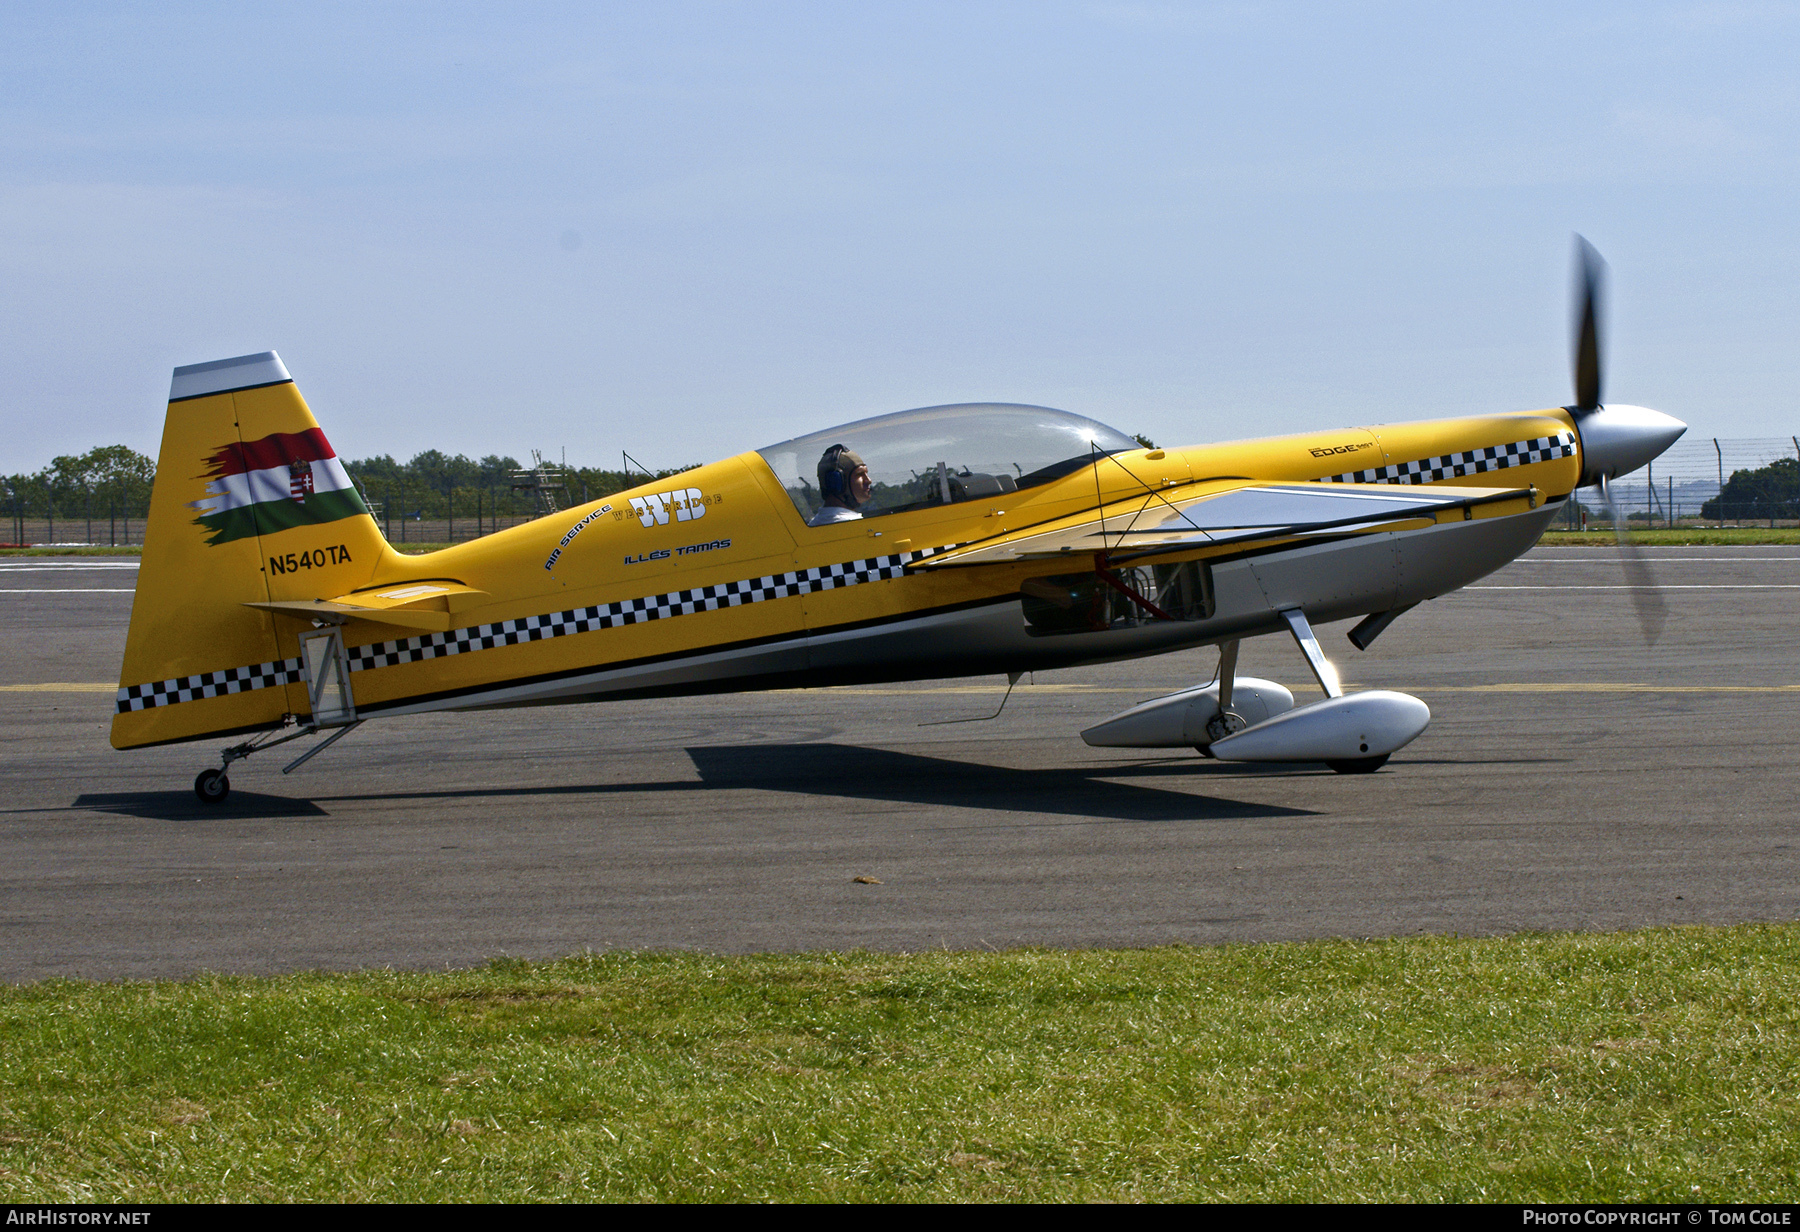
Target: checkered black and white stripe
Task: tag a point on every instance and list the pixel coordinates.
(209, 684)
(1469, 462)
(536, 628)
(630, 611)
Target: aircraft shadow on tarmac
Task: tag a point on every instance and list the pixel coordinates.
(855, 773)
(184, 806)
(844, 771)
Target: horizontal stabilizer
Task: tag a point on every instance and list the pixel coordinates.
(415, 605)
(332, 612)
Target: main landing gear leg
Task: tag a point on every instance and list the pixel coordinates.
(1322, 670)
(1328, 680)
(212, 786)
(1227, 720)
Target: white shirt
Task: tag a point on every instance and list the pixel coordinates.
(833, 513)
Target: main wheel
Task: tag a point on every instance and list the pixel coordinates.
(1223, 724)
(1358, 765)
(212, 786)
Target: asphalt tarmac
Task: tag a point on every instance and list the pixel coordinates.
(1572, 778)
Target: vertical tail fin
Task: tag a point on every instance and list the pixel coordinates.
(251, 504)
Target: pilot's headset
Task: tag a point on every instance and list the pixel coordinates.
(835, 468)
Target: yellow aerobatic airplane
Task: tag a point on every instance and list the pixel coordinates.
(948, 541)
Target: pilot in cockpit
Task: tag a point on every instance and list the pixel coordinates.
(844, 483)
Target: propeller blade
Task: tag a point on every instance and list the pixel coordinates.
(1590, 311)
(1646, 595)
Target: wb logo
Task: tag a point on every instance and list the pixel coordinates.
(689, 504)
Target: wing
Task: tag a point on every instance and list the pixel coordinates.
(1159, 525)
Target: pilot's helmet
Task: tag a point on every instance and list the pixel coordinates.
(835, 468)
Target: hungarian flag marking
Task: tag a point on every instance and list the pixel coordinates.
(284, 480)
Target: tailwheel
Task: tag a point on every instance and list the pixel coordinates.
(212, 786)
(1358, 765)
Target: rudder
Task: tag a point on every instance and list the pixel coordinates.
(250, 504)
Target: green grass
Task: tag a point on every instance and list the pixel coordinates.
(1648, 1066)
(1682, 536)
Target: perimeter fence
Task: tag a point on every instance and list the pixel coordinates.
(1708, 481)
(83, 520)
(56, 524)
(37, 514)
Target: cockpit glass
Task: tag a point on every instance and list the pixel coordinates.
(939, 455)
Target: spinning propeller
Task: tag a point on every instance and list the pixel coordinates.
(1615, 440)
(1590, 285)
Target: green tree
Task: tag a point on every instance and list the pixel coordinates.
(598, 482)
(1771, 491)
(122, 474)
(112, 481)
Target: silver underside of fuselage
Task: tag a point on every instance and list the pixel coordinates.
(1336, 579)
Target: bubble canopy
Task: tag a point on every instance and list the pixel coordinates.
(943, 454)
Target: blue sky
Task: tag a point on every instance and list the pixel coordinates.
(688, 230)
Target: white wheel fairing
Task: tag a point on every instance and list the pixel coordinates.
(1348, 728)
(1179, 720)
